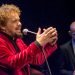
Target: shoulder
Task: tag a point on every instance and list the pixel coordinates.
(66, 47)
(65, 44)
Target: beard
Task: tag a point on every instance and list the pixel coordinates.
(17, 35)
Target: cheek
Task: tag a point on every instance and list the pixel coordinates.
(12, 29)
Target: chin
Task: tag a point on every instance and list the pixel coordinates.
(18, 35)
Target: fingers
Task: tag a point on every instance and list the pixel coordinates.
(48, 36)
(52, 35)
(52, 32)
(47, 30)
(52, 39)
(39, 31)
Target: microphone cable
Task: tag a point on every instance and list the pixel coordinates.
(49, 70)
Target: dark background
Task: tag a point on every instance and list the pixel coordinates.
(45, 13)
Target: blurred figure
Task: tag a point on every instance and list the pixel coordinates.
(15, 55)
(67, 57)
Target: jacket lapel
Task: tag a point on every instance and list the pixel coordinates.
(71, 53)
(9, 44)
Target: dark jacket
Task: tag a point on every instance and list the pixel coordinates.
(67, 59)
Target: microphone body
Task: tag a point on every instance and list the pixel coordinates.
(25, 31)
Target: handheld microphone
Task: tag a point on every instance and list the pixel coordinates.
(25, 31)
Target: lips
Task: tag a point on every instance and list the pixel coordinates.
(18, 28)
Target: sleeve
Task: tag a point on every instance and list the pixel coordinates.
(17, 60)
(39, 58)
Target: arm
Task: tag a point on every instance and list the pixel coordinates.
(19, 60)
(48, 48)
(40, 59)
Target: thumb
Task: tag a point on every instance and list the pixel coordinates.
(44, 29)
(39, 31)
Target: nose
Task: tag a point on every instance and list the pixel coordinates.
(19, 23)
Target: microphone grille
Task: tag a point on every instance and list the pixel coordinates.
(25, 31)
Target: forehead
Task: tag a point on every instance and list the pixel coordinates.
(14, 16)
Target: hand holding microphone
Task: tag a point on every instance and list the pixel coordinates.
(49, 35)
(54, 36)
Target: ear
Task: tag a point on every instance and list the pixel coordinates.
(70, 33)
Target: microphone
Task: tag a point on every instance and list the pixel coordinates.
(25, 31)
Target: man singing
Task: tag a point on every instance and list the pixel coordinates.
(15, 55)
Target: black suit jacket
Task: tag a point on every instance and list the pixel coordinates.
(67, 59)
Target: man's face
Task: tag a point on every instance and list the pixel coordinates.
(72, 29)
(13, 26)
